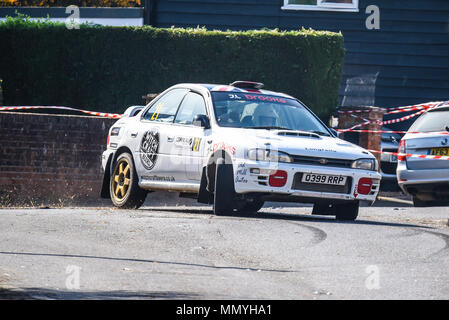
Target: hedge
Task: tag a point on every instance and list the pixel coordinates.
(109, 68)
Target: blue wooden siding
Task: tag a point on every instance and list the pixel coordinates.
(408, 56)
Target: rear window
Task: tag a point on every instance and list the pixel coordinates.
(432, 121)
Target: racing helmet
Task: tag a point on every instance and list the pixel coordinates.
(266, 115)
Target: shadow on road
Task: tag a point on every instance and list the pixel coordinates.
(290, 217)
(161, 262)
(44, 294)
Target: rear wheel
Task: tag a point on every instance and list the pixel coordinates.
(420, 203)
(224, 192)
(347, 211)
(123, 186)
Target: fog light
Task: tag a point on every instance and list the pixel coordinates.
(278, 178)
(364, 186)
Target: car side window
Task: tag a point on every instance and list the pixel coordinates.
(164, 109)
(192, 105)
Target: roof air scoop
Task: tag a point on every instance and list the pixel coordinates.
(247, 84)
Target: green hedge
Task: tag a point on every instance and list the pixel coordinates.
(110, 68)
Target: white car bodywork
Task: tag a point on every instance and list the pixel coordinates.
(184, 150)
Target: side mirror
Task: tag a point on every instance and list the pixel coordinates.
(201, 120)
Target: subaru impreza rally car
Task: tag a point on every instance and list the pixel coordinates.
(235, 146)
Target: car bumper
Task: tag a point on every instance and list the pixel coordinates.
(407, 178)
(248, 182)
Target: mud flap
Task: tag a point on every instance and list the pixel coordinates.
(204, 196)
(105, 193)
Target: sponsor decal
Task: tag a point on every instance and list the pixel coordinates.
(149, 148)
(184, 141)
(223, 146)
(240, 174)
(157, 111)
(321, 149)
(196, 144)
(158, 178)
(264, 98)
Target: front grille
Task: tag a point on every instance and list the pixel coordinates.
(299, 185)
(317, 161)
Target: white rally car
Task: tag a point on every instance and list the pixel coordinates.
(235, 146)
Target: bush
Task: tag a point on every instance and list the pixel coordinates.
(65, 3)
(110, 68)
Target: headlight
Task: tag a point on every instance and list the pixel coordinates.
(365, 164)
(268, 155)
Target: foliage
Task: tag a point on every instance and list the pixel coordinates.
(110, 68)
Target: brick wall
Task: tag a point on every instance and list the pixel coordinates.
(51, 159)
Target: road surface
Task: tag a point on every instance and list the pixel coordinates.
(393, 251)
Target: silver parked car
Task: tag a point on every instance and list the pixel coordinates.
(425, 179)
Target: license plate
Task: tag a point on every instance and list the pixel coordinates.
(439, 152)
(323, 179)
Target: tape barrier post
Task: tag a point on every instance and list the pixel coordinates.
(368, 117)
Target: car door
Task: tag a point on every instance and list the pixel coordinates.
(188, 139)
(153, 160)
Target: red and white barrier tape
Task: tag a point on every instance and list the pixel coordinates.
(410, 109)
(381, 123)
(398, 109)
(93, 113)
(422, 156)
(382, 131)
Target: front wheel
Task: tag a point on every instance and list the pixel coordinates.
(347, 211)
(123, 186)
(250, 207)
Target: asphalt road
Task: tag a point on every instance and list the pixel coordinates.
(393, 251)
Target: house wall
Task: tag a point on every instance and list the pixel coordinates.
(405, 62)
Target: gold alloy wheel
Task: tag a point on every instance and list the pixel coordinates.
(121, 180)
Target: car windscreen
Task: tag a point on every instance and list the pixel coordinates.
(432, 121)
(250, 110)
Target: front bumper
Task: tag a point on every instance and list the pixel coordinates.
(247, 182)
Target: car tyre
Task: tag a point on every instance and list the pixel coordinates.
(418, 203)
(251, 207)
(123, 186)
(224, 192)
(347, 211)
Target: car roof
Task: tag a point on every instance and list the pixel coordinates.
(229, 88)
